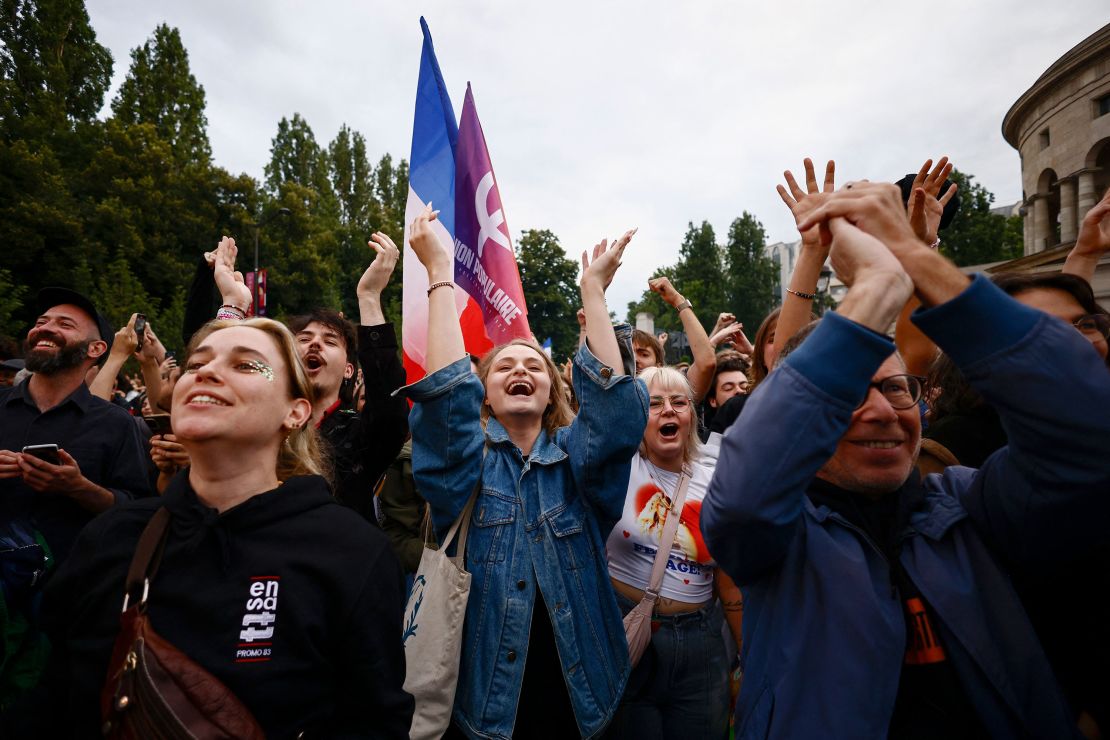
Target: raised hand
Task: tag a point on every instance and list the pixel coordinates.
(606, 259)
(427, 247)
(875, 208)
(153, 351)
(802, 202)
(1093, 241)
(666, 291)
(723, 319)
(924, 208)
(856, 255)
(233, 289)
(376, 277)
(126, 340)
(733, 333)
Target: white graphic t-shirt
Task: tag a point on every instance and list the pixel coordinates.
(632, 544)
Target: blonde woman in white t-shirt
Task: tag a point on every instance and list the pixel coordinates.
(680, 687)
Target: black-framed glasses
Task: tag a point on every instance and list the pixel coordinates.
(900, 391)
(1093, 324)
(679, 404)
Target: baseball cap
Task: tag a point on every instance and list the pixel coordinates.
(50, 297)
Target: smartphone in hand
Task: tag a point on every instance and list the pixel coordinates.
(49, 453)
(140, 330)
(159, 423)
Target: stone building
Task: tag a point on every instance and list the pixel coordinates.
(1060, 127)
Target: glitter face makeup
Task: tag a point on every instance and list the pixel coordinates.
(257, 366)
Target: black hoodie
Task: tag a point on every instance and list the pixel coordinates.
(292, 600)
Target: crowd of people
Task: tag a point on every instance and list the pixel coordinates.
(889, 521)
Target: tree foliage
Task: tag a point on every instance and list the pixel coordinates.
(160, 90)
(737, 277)
(750, 273)
(976, 236)
(52, 70)
(122, 208)
(550, 282)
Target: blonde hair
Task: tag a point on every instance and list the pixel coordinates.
(669, 379)
(300, 454)
(558, 412)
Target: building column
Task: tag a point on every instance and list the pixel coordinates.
(1069, 220)
(1027, 227)
(1087, 197)
(1042, 229)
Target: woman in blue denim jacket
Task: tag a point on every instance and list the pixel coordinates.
(544, 653)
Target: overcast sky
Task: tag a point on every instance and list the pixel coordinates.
(601, 116)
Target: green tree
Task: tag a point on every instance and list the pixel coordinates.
(161, 90)
(53, 73)
(976, 236)
(351, 176)
(697, 276)
(550, 282)
(665, 318)
(749, 272)
(698, 273)
(11, 301)
(296, 157)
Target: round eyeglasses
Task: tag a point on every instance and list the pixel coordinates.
(900, 391)
(679, 404)
(1093, 324)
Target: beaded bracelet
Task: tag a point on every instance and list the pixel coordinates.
(441, 284)
(233, 313)
(800, 294)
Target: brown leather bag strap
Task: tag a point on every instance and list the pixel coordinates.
(147, 557)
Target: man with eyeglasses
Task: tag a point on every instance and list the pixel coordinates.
(877, 604)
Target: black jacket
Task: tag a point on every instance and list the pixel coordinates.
(291, 600)
(363, 445)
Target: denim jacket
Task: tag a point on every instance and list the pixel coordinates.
(824, 632)
(539, 522)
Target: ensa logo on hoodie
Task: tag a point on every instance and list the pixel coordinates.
(258, 621)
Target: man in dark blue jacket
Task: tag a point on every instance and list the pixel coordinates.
(877, 604)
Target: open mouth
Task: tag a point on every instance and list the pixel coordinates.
(520, 388)
(46, 341)
(669, 431)
(313, 362)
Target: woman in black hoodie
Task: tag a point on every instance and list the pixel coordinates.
(291, 600)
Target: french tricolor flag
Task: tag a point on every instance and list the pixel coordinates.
(450, 167)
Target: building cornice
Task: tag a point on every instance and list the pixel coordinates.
(1074, 59)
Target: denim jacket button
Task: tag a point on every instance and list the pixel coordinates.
(520, 585)
(606, 372)
(511, 656)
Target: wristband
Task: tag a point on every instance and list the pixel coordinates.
(233, 313)
(441, 284)
(683, 306)
(800, 294)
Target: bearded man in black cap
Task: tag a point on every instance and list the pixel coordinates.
(99, 460)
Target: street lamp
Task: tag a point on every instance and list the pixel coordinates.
(257, 229)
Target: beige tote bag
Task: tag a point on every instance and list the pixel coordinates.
(433, 630)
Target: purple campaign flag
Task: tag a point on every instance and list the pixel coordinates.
(485, 264)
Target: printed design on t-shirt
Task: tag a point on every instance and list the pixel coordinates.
(924, 646)
(259, 620)
(652, 505)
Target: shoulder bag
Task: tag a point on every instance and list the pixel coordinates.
(154, 690)
(433, 628)
(637, 623)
